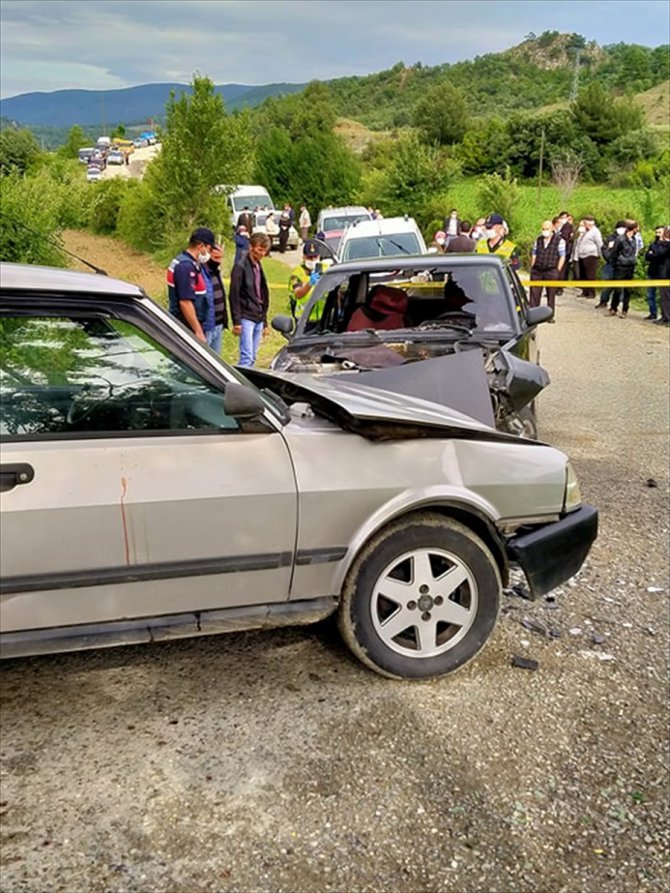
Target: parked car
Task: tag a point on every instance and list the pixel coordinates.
(140, 143)
(332, 222)
(115, 157)
(465, 314)
(384, 237)
(150, 491)
(250, 197)
(85, 153)
(93, 173)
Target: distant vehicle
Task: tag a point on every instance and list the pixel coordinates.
(259, 227)
(251, 197)
(386, 237)
(124, 145)
(93, 174)
(116, 156)
(149, 136)
(85, 153)
(140, 143)
(103, 142)
(332, 222)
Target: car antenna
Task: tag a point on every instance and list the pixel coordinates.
(56, 244)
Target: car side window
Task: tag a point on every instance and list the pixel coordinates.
(76, 376)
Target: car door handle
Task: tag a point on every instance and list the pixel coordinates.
(13, 475)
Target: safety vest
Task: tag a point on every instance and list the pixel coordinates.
(505, 249)
(299, 276)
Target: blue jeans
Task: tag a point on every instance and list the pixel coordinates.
(651, 300)
(214, 338)
(250, 338)
(606, 273)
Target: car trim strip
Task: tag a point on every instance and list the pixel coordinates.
(142, 573)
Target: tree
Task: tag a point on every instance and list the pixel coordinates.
(603, 118)
(119, 132)
(18, 150)
(566, 169)
(202, 148)
(442, 115)
(76, 139)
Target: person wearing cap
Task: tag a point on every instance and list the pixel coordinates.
(496, 241)
(188, 297)
(302, 280)
(250, 299)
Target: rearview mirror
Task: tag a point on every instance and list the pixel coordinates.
(283, 324)
(241, 402)
(536, 315)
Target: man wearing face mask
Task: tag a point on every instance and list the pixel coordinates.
(607, 271)
(302, 280)
(187, 287)
(547, 262)
(587, 253)
(496, 241)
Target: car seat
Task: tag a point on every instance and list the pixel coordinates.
(385, 308)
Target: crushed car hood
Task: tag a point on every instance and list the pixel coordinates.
(372, 412)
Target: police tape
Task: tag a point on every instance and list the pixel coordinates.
(595, 283)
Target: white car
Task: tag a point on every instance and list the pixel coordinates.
(115, 157)
(332, 222)
(383, 237)
(259, 227)
(93, 174)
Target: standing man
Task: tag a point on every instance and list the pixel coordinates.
(246, 219)
(623, 257)
(496, 241)
(452, 226)
(187, 288)
(250, 299)
(304, 223)
(284, 227)
(302, 279)
(655, 258)
(218, 317)
(587, 253)
(547, 262)
(462, 243)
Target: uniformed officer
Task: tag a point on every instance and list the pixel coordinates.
(302, 280)
(496, 241)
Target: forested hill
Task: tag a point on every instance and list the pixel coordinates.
(537, 72)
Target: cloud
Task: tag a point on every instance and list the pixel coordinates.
(109, 43)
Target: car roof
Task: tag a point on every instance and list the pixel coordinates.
(45, 280)
(381, 226)
(343, 211)
(417, 262)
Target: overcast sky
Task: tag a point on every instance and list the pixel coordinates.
(104, 44)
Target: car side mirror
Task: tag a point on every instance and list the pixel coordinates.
(536, 315)
(242, 402)
(283, 324)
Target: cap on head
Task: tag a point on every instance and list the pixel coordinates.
(204, 235)
(310, 248)
(494, 220)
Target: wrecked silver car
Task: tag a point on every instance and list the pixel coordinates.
(149, 491)
(465, 316)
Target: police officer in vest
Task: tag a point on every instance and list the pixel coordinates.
(547, 262)
(496, 241)
(302, 280)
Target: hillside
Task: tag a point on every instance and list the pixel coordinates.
(656, 105)
(63, 108)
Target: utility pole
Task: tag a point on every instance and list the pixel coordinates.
(539, 175)
(102, 116)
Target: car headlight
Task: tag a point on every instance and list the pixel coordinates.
(573, 497)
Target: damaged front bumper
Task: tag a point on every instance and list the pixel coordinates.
(551, 554)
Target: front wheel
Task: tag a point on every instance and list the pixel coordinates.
(421, 599)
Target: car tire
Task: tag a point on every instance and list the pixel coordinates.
(421, 599)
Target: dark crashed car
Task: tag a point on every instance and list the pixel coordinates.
(465, 317)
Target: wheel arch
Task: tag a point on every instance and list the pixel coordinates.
(468, 515)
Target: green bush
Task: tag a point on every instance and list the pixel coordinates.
(30, 220)
(106, 197)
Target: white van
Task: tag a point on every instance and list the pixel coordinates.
(383, 237)
(242, 197)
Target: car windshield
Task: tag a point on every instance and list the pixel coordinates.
(387, 245)
(240, 202)
(334, 224)
(425, 300)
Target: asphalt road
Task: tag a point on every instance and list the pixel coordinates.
(275, 762)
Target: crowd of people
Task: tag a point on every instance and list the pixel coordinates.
(197, 296)
(562, 250)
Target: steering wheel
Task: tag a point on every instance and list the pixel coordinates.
(81, 407)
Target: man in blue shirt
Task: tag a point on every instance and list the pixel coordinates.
(187, 287)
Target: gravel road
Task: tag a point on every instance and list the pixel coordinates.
(275, 762)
